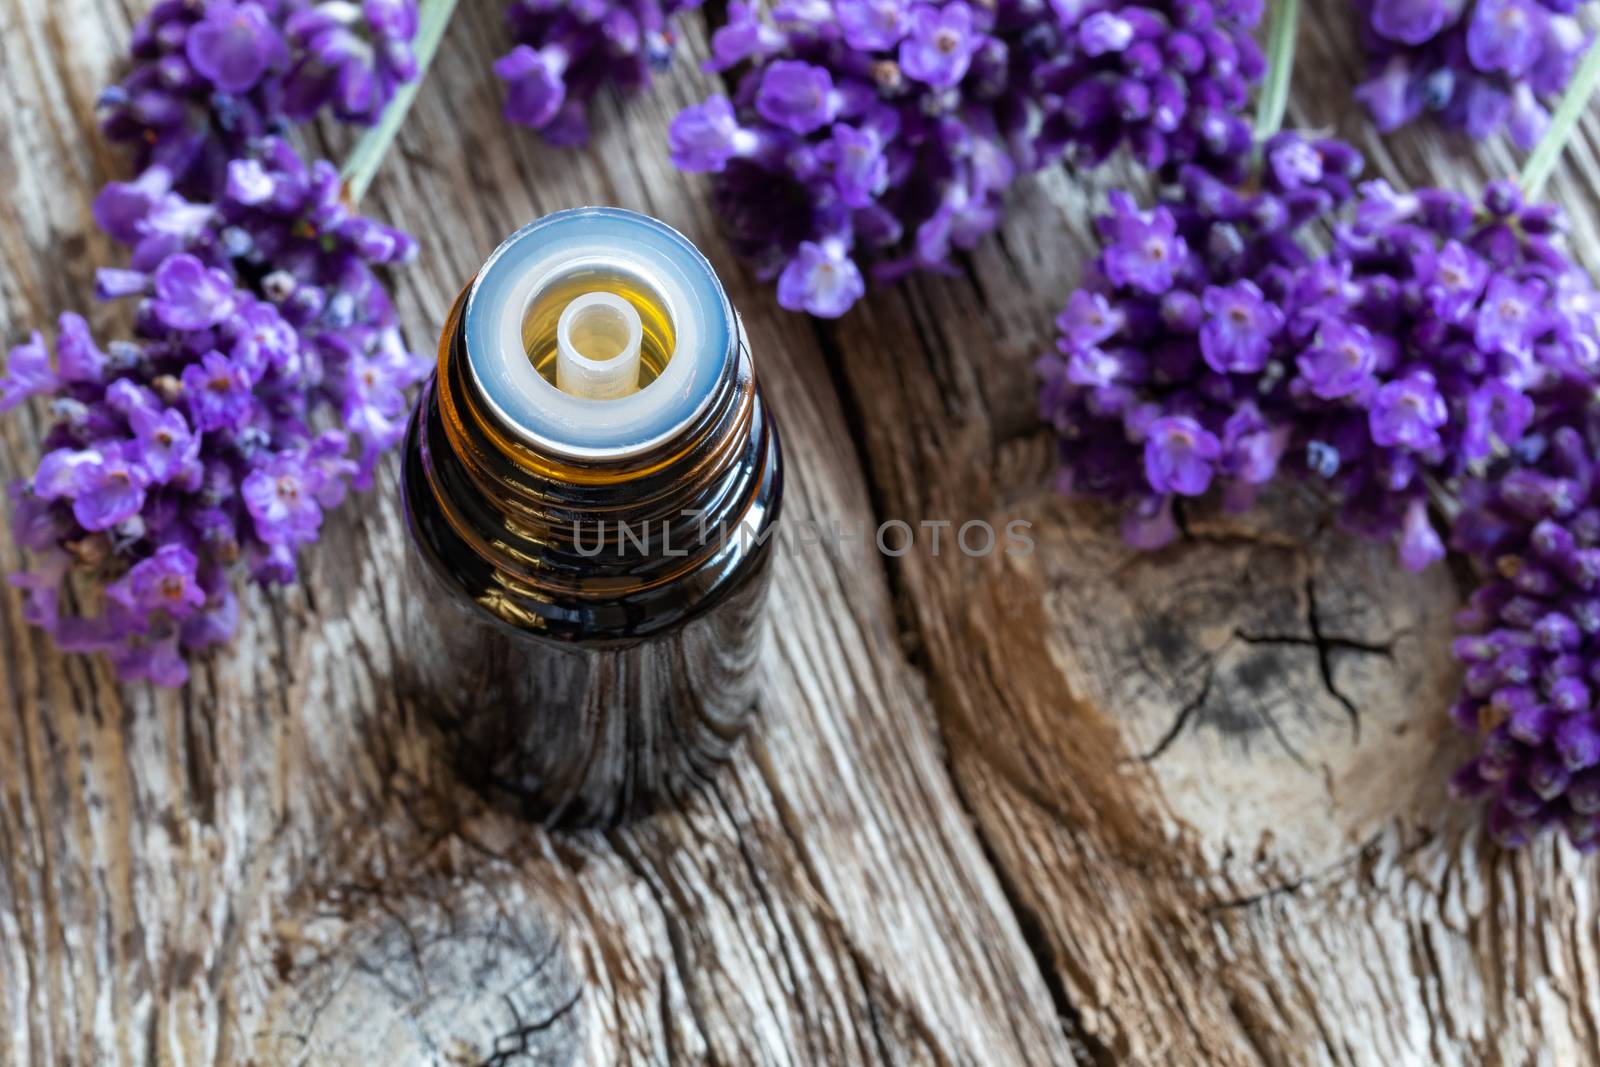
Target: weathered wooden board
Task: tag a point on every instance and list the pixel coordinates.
(1077, 807)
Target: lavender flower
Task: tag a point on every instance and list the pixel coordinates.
(210, 78)
(1408, 354)
(567, 52)
(1473, 309)
(28, 372)
(1442, 345)
(880, 135)
(1531, 633)
(1173, 373)
(196, 442)
(1170, 80)
(1481, 65)
(233, 46)
(259, 314)
(1236, 337)
(347, 58)
(1180, 455)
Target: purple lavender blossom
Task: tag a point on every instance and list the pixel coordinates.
(1407, 413)
(821, 279)
(1420, 545)
(1480, 65)
(1458, 279)
(708, 136)
(860, 167)
(169, 450)
(1510, 316)
(1506, 35)
(191, 296)
(27, 373)
(1236, 337)
(867, 25)
(210, 78)
(1180, 455)
(939, 47)
(1340, 360)
(109, 488)
(796, 96)
(566, 53)
(891, 129)
(1143, 248)
(194, 444)
(78, 358)
(218, 393)
(281, 497)
(347, 58)
(1409, 354)
(1530, 644)
(165, 581)
(234, 45)
(535, 87)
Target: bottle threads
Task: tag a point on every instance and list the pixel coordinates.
(590, 481)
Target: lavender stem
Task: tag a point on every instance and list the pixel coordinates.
(1274, 100)
(362, 164)
(1542, 160)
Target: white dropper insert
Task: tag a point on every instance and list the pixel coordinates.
(597, 347)
(548, 256)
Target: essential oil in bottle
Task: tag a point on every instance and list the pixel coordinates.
(590, 483)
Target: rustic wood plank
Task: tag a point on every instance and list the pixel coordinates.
(271, 867)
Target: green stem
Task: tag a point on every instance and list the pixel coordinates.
(1542, 160)
(1274, 100)
(361, 165)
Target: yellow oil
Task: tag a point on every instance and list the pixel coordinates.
(539, 325)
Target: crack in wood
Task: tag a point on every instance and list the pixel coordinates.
(1325, 659)
(1184, 715)
(523, 1032)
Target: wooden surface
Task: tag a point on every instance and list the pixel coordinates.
(1082, 807)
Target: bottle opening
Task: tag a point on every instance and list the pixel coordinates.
(597, 332)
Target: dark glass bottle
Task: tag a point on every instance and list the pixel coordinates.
(593, 558)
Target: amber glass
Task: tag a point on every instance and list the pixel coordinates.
(586, 631)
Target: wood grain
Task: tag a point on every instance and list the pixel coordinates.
(1077, 807)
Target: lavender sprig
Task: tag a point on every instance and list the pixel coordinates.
(208, 79)
(265, 374)
(1173, 366)
(1408, 354)
(1530, 522)
(196, 443)
(1441, 343)
(1531, 632)
(882, 135)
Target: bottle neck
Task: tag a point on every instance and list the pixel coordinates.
(607, 546)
